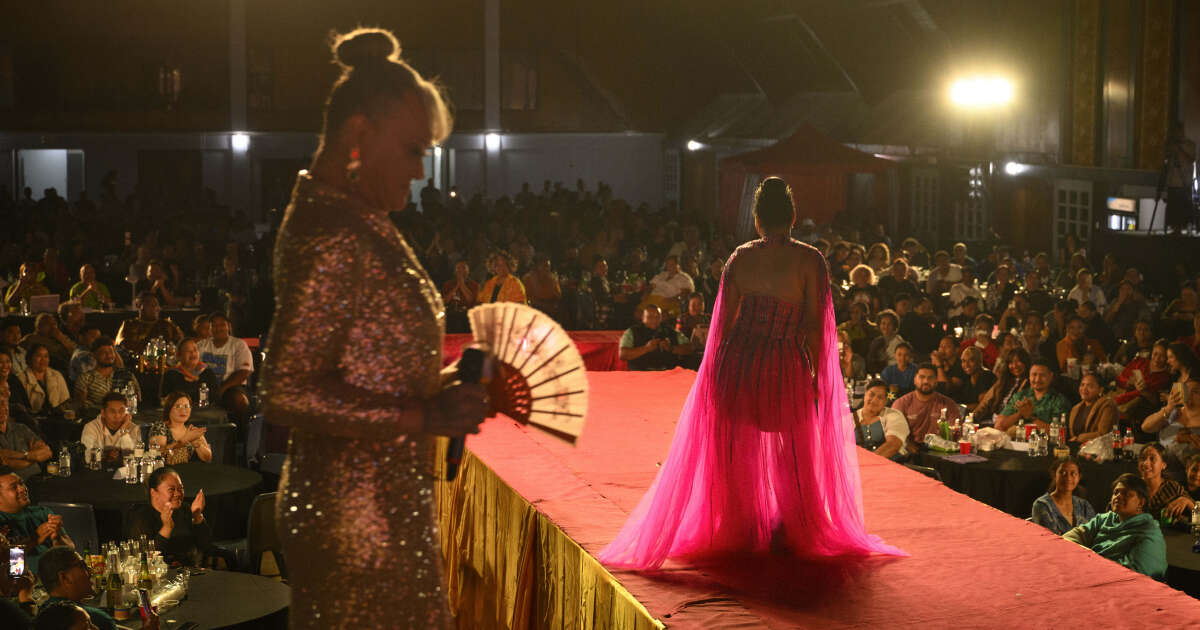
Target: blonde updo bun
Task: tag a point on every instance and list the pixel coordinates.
(364, 46)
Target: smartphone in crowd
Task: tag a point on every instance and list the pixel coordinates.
(16, 562)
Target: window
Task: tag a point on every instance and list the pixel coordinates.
(1072, 212)
(671, 166)
(924, 203)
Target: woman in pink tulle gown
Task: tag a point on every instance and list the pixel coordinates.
(763, 452)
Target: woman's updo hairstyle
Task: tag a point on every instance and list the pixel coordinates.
(375, 76)
(773, 205)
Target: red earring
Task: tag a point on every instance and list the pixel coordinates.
(353, 166)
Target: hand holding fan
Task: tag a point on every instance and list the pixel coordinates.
(539, 377)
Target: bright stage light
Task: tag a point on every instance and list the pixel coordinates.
(1013, 168)
(492, 141)
(981, 92)
(692, 145)
(240, 142)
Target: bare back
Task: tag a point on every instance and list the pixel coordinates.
(788, 271)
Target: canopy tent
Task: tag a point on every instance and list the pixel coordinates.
(815, 166)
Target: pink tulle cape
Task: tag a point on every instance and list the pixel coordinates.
(763, 452)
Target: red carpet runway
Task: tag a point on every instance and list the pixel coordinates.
(971, 566)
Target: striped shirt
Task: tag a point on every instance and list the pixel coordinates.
(93, 386)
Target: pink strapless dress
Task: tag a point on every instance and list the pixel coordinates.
(763, 450)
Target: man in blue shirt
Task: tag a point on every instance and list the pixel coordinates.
(31, 526)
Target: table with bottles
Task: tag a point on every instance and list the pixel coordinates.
(228, 491)
(179, 595)
(109, 320)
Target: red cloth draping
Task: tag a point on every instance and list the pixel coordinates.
(600, 348)
(974, 566)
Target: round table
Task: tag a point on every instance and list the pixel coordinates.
(1010, 481)
(109, 321)
(226, 599)
(228, 492)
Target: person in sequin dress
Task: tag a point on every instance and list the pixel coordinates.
(354, 359)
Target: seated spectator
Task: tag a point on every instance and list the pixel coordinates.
(502, 286)
(1077, 348)
(1085, 291)
(94, 385)
(1177, 424)
(162, 285)
(135, 333)
(666, 288)
(1000, 294)
(1139, 347)
(1056, 319)
(32, 526)
(20, 448)
(982, 339)
(1180, 313)
(11, 341)
(89, 291)
(1094, 415)
(180, 440)
(459, 295)
(862, 288)
(47, 334)
(963, 323)
(882, 351)
(1062, 507)
(71, 321)
(1193, 341)
(945, 360)
(28, 284)
(190, 372)
(853, 365)
(943, 275)
(45, 387)
(68, 582)
(1126, 310)
(201, 327)
(1167, 498)
(897, 282)
(696, 319)
(234, 288)
(923, 407)
(1038, 403)
(1193, 478)
(113, 431)
(1126, 535)
(542, 288)
(17, 399)
(177, 530)
(921, 327)
(603, 297)
(1096, 328)
(1141, 382)
(859, 329)
(879, 258)
(650, 346)
(969, 380)
(960, 257)
(232, 364)
(900, 375)
(1013, 317)
(83, 360)
(878, 428)
(1039, 298)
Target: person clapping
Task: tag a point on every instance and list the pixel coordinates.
(178, 530)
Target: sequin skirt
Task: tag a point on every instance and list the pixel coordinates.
(357, 520)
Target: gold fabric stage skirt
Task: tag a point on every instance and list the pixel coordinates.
(509, 567)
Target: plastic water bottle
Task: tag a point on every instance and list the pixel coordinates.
(202, 397)
(132, 399)
(64, 462)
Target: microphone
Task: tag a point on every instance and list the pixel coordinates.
(471, 368)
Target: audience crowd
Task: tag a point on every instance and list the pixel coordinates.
(1008, 338)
